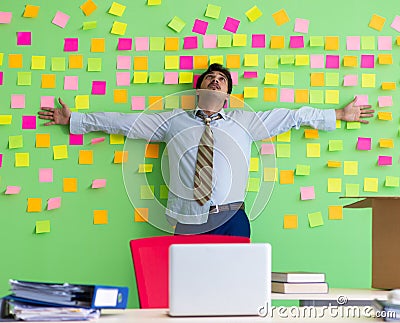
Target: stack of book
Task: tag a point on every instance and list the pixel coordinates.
(36, 301)
(299, 282)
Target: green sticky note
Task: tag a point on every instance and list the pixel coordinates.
(368, 42)
(89, 25)
(315, 219)
(213, 11)
(335, 145)
(287, 78)
(303, 170)
(224, 41)
(271, 61)
(42, 226)
(253, 184)
(317, 41)
(353, 125)
(164, 192)
(331, 79)
(283, 150)
(24, 78)
(287, 59)
(15, 142)
(352, 189)
(94, 64)
(171, 102)
(156, 77)
(176, 24)
(147, 192)
(392, 181)
(157, 43)
(316, 96)
(58, 64)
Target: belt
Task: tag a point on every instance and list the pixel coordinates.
(226, 207)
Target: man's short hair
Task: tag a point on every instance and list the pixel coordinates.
(216, 68)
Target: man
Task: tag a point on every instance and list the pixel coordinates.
(208, 148)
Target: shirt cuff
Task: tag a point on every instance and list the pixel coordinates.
(330, 119)
(75, 123)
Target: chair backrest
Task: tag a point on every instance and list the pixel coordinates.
(150, 261)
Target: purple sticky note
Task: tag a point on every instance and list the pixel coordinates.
(235, 78)
(46, 175)
(123, 78)
(231, 24)
(60, 19)
(287, 95)
(99, 87)
(99, 183)
(296, 42)
(385, 43)
(210, 41)
(361, 99)
(190, 42)
(385, 101)
(124, 63)
(12, 190)
(5, 17)
(141, 43)
(70, 44)
(353, 42)
(186, 62)
(258, 41)
(138, 102)
(301, 25)
(1, 160)
(200, 26)
(396, 23)
(332, 61)
(98, 140)
(18, 101)
(28, 122)
(71, 82)
(307, 193)
(75, 140)
(250, 74)
(171, 77)
(350, 80)
(24, 38)
(1, 78)
(317, 61)
(267, 149)
(367, 61)
(364, 143)
(47, 101)
(384, 160)
(124, 44)
(53, 203)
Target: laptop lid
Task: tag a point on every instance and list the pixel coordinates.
(219, 279)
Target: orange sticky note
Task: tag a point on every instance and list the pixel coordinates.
(200, 62)
(385, 116)
(311, 133)
(335, 212)
(85, 157)
(236, 101)
(281, 17)
(155, 103)
(286, 177)
(171, 43)
(334, 163)
(120, 157)
(233, 61)
(15, 60)
(100, 217)
(317, 79)
(270, 94)
(75, 61)
(88, 7)
(70, 185)
(377, 22)
(141, 214)
(277, 42)
(31, 11)
(350, 61)
(34, 205)
(98, 45)
(152, 151)
(42, 140)
(301, 96)
(140, 63)
(388, 85)
(331, 43)
(385, 59)
(188, 102)
(290, 221)
(48, 81)
(120, 96)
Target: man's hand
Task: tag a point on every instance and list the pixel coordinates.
(352, 112)
(57, 116)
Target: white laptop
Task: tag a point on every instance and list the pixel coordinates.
(219, 279)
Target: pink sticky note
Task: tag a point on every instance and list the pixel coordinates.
(28, 122)
(364, 143)
(235, 78)
(296, 42)
(385, 101)
(301, 25)
(53, 203)
(75, 140)
(210, 41)
(141, 43)
(99, 183)
(123, 78)
(362, 99)
(258, 41)
(1, 78)
(46, 175)
(60, 19)
(124, 62)
(186, 62)
(353, 42)
(287, 95)
(317, 61)
(384, 160)
(195, 78)
(307, 193)
(250, 74)
(367, 61)
(47, 101)
(24, 38)
(385, 43)
(396, 23)
(71, 44)
(231, 24)
(190, 42)
(70, 82)
(5, 17)
(138, 102)
(200, 26)
(332, 61)
(171, 78)
(267, 149)
(12, 190)
(98, 140)
(99, 87)
(1, 160)
(124, 44)
(18, 101)
(350, 80)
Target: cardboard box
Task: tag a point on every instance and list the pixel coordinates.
(385, 238)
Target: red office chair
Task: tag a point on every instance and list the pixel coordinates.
(150, 261)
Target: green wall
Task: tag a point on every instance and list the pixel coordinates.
(78, 251)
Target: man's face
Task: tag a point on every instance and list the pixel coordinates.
(215, 81)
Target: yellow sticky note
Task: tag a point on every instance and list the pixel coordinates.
(277, 42)
(70, 185)
(284, 137)
(377, 22)
(335, 212)
(239, 40)
(152, 151)
(388, 85)
(353, 125)
(250, 92)
(302, 60)
(286, 177)
(254, 164)
(332, 96)
(317, 79)
(386, 143)
(100, 217)
(253, 14)
(82, 102)
(350, 61)
(75, 61)
(34, 204)
(120, 157)
(98, 45)
(290, 221)
(38, 62)
(31, 11)
(385, 116)
(88, 7)
(171, 43)
(153, 2)
(270, 94)
(281, 17)
(185, 77)
(311, 133)
(48, 81)
(334, 163)
(60, 152)
(117, 9)
(141, 214)
(270, 174)
(313, 150)
(370, 184)
(140, 77)
(368, 80)
(251, 60)
(171, 62)
(145, 168)
(21, 159)
(301, 96)
(42, 226)
(85, 157)
(219, 59)
(1, 58)
(120, 96)
(385, 59)
(331, 43)
(119, 28)
(5, 119)
(116, 139)
(271, 78)
(350, 168)
(334, 185)
(146, 192)
(233, 61)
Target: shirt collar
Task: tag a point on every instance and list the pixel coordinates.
(222, 112)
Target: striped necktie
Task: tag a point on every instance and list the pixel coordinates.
(202, 187)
